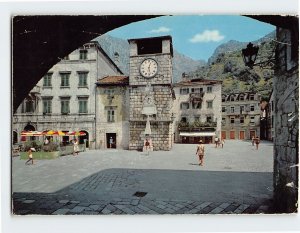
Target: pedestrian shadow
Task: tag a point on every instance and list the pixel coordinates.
(195, 164)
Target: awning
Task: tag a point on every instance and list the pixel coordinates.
(197, 134)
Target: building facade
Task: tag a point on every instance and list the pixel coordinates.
(240, 115)
(65, 98)
(150, 92)
(112, 114)
(197, 110)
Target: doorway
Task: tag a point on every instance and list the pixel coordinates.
(242, 135)
(252, 134)
(223, 135)
(232, 134)
(84, 138)
(111, 140)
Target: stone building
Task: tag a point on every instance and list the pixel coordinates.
(286, 119)
(197, 110)
(150, 92)
(64, 99)
(240, 115)
(112, 112)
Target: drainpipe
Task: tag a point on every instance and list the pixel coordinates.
(95, 136)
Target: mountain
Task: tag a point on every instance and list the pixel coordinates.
(112, 45)
(227, 64)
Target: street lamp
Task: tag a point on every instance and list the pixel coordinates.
(249, 55)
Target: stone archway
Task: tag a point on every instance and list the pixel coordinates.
(84, 139)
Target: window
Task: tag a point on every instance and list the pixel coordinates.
(184, 106)
(47, 80)
(272, 105)
(83, 102)
(196, 105)
(183, 119)
(223, 120)
(231, 120)
(209, 89)
(252, 120)
(242, 120)
(65, 106)
(232, 109)
(109, 91)
(223, 98)
(242, 109)
(209, 104)
(82, 79)
(209, 119)
(47, 105)
(29, 106)
(150, 46)
(251, 97)
(223, 109)
(111, 115)
(197, 90)
(242, 98)
(184, 91)
(197, 118)
(82, 54)
(232, 98)
(65, 79)
(251, 108)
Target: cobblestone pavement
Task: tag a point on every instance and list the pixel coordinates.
(234, 180)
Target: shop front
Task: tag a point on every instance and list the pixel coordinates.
(195, 137)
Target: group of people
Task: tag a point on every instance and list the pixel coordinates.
(219, 142)
(46, 142)
(200, 148)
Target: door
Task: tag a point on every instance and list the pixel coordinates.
(252, 134)
(111, 140)
(223, 136)
(242, 135)
(232, 136)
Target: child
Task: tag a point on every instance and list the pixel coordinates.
(30, 157)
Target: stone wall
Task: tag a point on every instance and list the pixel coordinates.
(160, 123)
(286, 101)
(161, 135)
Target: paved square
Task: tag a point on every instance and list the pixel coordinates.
(237, 177)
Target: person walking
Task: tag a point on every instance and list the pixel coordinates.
(222, 143)
(75, 147)
(30, 157)
(257, 141)
(200, 152)
(111, 142)
(216, 141)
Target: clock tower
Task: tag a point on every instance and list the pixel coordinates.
(150, 91)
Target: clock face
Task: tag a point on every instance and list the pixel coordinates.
(149, 68)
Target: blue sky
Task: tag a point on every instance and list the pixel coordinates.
(197, 36)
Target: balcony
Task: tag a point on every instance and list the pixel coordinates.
(197, 126)
(196, 97)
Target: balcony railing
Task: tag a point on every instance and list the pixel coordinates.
(197, 126)
(196, 97)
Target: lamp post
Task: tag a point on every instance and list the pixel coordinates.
(249, 55)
